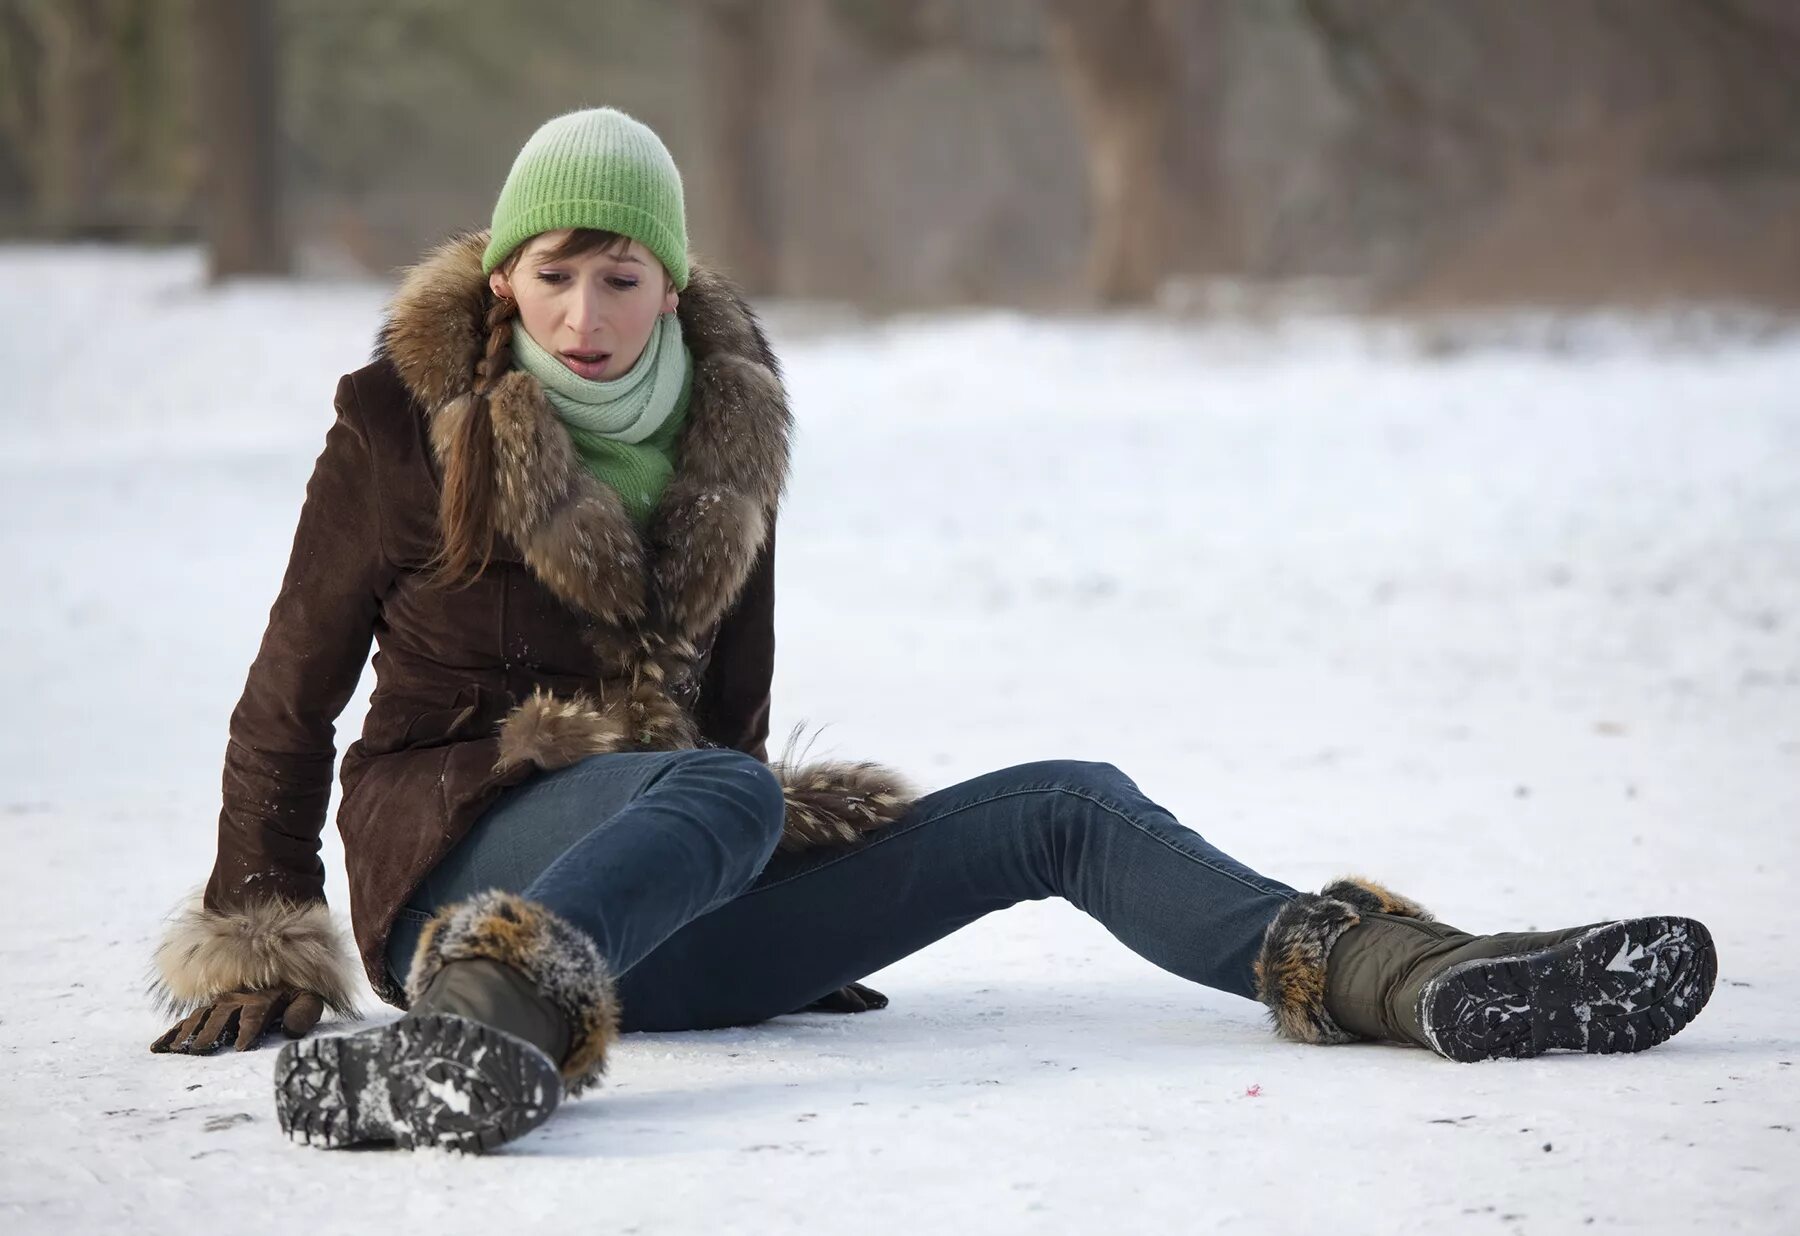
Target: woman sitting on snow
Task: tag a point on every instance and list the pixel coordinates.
(552, 497)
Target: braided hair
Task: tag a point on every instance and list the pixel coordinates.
(466, 511)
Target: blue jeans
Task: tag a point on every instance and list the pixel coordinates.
(668, 860)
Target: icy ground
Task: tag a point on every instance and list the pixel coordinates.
(1515, 631)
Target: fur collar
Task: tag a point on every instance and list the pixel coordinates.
(574, 533)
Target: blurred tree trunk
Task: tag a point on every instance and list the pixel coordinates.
(1118, 64)
(239, 137)
(21, 113)
(1205, 236)
(799, 33)
(739, 69)
(80, 97)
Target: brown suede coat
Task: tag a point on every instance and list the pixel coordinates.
(582, 636)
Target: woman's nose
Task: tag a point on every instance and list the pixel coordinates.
(586, 313)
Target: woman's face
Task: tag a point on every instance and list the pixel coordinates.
(594, 312)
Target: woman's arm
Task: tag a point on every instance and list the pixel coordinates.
(733, 710)
(261, 921)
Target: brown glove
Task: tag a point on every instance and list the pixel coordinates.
(856, 998)
(248, 1014)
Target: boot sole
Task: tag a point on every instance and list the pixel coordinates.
(432, 1080)
(1621, 987)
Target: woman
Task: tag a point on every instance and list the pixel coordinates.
(552, 498)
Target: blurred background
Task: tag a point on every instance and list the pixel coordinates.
(1371, 424)
(903, 153)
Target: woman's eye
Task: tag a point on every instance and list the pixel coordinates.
(622, 283)
(549, 276)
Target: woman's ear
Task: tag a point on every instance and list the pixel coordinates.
(501, 285)
(671, 297)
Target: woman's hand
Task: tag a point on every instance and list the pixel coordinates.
(248, 1014)
(856, 998)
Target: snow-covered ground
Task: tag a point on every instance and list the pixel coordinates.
(1515, 631)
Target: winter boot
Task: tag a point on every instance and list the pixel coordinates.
(509, 1007)
(1360, 962)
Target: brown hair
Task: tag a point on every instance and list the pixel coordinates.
(466, 512)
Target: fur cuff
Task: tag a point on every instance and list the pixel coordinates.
(1369, 897)
(559, 958)
(1290, 970)
(553, 733)
(834, 801)
(272, 943)
(550, 732)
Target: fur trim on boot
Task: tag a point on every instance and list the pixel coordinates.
(271, 943)
(559, 958)
(1290, 970)
(1368, 897)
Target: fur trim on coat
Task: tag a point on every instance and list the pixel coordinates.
(272, 943)
(651, 597)
(558, 958)
(830, 802)
(645, 602)
(1290, 968)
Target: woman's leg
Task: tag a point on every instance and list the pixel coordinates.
(817, 919)
(626, 846)
(513, 1001)
(1353, 961)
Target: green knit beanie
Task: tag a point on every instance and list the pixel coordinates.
(597, 168)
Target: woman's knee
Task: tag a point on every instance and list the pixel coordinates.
(743, 779)
(1081, 776)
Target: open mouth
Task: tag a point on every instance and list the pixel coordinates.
(586, 364)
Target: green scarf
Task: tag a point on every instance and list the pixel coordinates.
(625, 428)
